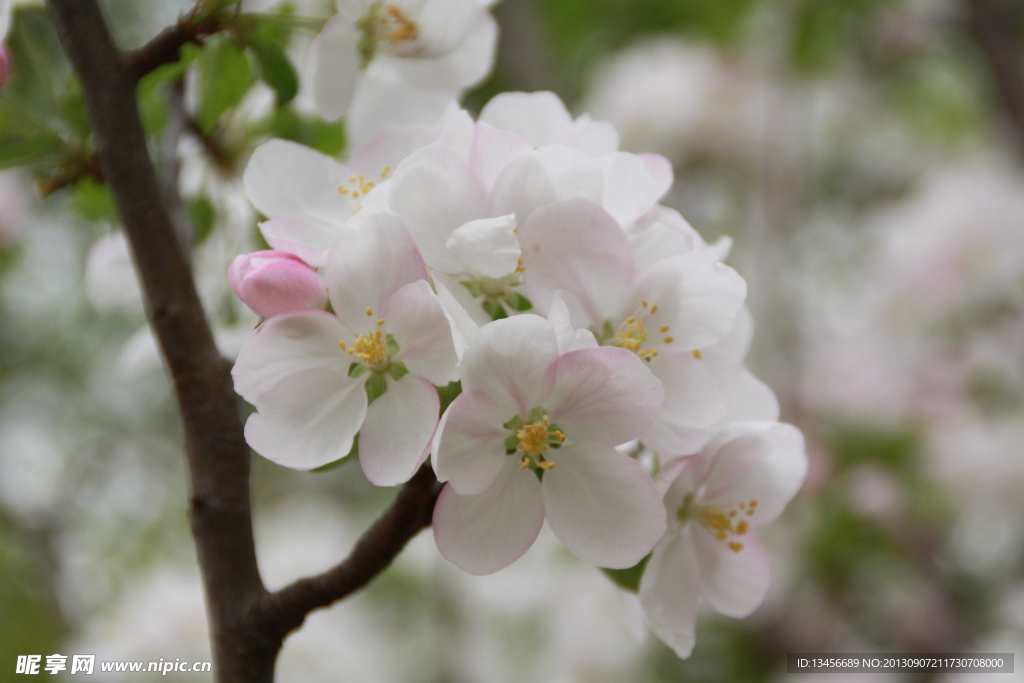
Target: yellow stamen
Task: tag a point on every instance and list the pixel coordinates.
(742, 527)
(380, 321)
(664, 329)
(369, 310)
(697, 354)
(669, 340)
(545, 465)
(735, 547)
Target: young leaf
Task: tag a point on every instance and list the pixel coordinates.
(275, 69)
(225, 76)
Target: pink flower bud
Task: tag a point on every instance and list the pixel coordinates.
(5, 65)
(275, 282)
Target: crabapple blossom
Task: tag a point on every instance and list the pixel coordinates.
(741, 479)
(533, 436)
(665, 314)
(396, 63)
(317, 378)
(272, 282)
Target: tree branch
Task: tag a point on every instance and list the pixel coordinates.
(377, 547)
(247, 624)
(166, 47)
(218, 456)
(991, 24)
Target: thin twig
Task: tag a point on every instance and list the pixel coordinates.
(377, 547)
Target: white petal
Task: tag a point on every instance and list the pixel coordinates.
(594, 138)
(308, 419)
(760, 461)
(569, 338)
(510, 360)
(287, 180)
(370, 261)
(693, 401)
(697, 297)
(395, 438)
(670, 592)
(574, 245)
(538, 117)
(435, 192)
(487, 532)
(285, 345)
(522, 186)
(748, 398)
(630, 188)
(445, 24)
(334, 67)
(385, 101)
(463, 67)
(602, 505)
(604, 394)
(487, 246)
(463, 311)
(493, 150)
(419, 324)
(734, 582)
(309, 240)
(469, 448)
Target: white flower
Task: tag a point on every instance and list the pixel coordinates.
(533, 435)
(665, 314)
(395, 63)
(317, 379)
(713, 501)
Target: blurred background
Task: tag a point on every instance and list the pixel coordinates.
(864, 155)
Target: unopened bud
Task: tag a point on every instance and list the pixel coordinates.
(274, 282)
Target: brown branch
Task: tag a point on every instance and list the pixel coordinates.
(377, 547)
(247, 624)
(165, 48)
(218, 456)
(991, 23)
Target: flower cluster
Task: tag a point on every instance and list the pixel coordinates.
(522, 264)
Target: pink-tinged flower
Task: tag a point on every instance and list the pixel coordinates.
(274, 282)
(665, 314)
(533, 435)
(542, 119)
(318, 378)
(390, 64)
(713, 502)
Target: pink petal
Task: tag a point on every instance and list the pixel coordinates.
(275, 282)
(602, 505)
(537, 117)
(604, 394)
(670, 592)
(487, 532)
(630, 187)
(395, 438)
(309, 240)
(493, 150)
(734, 582)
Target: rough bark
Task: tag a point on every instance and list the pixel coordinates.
(247, 624)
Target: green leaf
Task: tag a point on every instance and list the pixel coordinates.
(314, 132)
(473, 286)
(275, 68)
(93, 201)
(628, 578)
(511, 444)
(225, 76)
(448, 393)
(376, 386)
(515, 423)
(200, 210)
(16, 150)
(357, 370)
